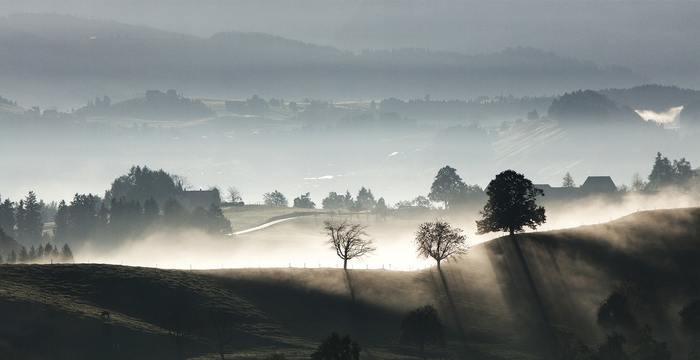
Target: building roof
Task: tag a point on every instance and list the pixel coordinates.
(599, 184)
(199, 198)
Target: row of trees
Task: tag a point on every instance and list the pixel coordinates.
(23, 220)
(88, 217)
(39, 254)
(664, 173)
(365, 201)
(511, 207)
(449, 189)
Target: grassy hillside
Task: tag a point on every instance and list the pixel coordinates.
(495, 303)
(248, 216)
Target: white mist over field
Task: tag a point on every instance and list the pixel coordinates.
(300, 242)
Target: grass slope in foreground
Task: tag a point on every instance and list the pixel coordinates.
(497, 302)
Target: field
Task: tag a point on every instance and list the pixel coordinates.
(249, 216)
(494, 305)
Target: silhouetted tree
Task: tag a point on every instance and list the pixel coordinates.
(275, 198)
(126, 218)
(82, 218)
(335, 201)
(12, 258)
(615, 312)
(446, 186)
(337, 348)
(304, 202)
(142, 183)
(66, 254)
(61, 222)
(568, 181)
(511, 205)
(381, 209)
(439, 240)
(234, 196)
(666, 173)
(421, 202)
(422, 327)
(23, 256)
(48, 251)
(638, 184)
(7, 217)
(348, 240)
(29, 223)
(365, 200)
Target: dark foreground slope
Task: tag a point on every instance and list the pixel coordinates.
(497, 302)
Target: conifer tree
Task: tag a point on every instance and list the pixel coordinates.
(66, 254)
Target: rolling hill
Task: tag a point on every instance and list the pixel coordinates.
(497, 302)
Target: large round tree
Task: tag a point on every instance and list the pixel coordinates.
(511, 205)
(446, 186)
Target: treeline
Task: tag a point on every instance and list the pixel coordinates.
(365, 201)
(42, 254)
(666, 173)
(88, 217)
(23, 220)
(448, 188)
(138, 202)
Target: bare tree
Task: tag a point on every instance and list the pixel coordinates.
(234, 195)
(439, 240)
(348, 240)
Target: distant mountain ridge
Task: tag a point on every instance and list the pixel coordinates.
(653, 97)
(89, 57)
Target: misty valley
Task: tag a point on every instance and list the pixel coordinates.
(243, 195)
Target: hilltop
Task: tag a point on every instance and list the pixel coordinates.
(490, 310)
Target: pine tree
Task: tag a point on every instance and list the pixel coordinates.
(7, 217)
(19, 220)
(33, 220)
(40, 252)
(29, 223)
(365, 200)
(23, 255)
(66, 254)
(568, 181)
(48, 251)
(32, 254)
(62, 222)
